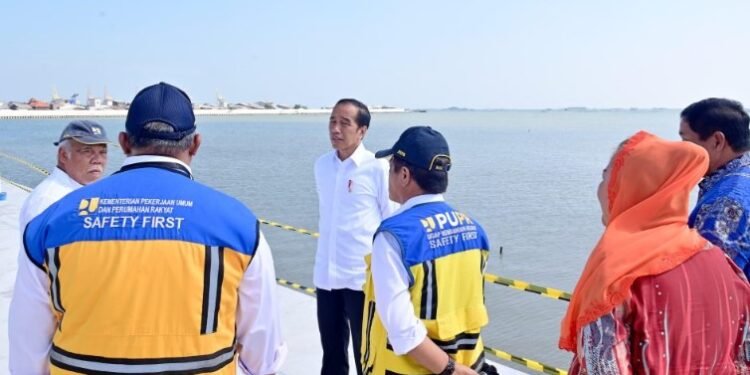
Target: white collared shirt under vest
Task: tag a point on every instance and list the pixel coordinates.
(353, 200)
(263, 350)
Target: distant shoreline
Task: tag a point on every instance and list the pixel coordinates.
(10, 114)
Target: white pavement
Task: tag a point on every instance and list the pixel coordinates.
(299, 322)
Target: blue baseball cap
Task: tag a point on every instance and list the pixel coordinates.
(164, 103)
(84, 131)
(422, 147)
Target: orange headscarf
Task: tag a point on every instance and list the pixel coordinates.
(647, 233)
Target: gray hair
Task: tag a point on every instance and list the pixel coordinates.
(66, 146)
(164, 147)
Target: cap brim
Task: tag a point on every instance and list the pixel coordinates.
(86, 140)
(384, 153)
(94, 141)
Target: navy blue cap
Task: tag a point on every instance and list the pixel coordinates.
(422, 147)
(161, 103)
(84, 131)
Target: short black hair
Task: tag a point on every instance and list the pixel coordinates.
(716, 114)
(363, 114)
(432, 182)
(165, 147)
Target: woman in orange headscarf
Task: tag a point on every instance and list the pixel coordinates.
(655, 297)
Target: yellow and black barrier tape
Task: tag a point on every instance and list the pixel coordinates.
(289, 228)
(24, 162)
(296, 286)
(527, 287)
(515, 284)
(16, 184)
(528, 363)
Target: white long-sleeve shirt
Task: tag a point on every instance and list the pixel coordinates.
(353, 200)
(263, 351)
(392, 298)
(57, 185)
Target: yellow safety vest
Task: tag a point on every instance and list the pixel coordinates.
(144, 276)
(453, 323)
(444, 253)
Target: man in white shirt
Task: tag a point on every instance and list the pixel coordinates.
(353, 199)
(147, 271)
(81, 160)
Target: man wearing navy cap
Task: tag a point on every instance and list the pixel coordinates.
(148, 271)
(424, 295)
(81, 160)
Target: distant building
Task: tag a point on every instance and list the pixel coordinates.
(203, 106)
(37, 104)
(220, 102)
(108, 101)
(237, 106)
(56, 105)
(120, 105)
(18, 105)
(93, 102)
(266, 105)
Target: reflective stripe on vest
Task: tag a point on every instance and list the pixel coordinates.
(212, 280)
(87, 364)
(429, 300)
(463, 341)
(53, 264)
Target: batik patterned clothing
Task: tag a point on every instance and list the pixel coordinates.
(722, 212)
(692, 319)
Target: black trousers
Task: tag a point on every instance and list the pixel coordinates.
(339, 313)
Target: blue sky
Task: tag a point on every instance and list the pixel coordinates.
(417, 54)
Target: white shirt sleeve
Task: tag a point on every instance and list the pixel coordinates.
(262, 349)
(31, 323)
(405, 330)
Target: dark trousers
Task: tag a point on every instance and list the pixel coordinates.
(339, 312)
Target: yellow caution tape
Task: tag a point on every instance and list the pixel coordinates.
(24, 162)
(293, 285)
(290, 228)
(16, 184)
(527, 287)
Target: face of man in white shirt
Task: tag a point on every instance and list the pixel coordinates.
(344, 132)
(84, 163)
